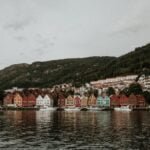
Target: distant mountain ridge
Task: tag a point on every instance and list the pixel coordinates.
(76, 70)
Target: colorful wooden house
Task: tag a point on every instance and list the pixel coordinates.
(31, 100)
(51, 101)
(124, 100)
(69, 102)
(46, 101)
(84, 101)
(92, 101)
(39, 101)
(77, 100)
(141, 101)
(103, 101)
(18, 99)
(8, 99)
(61, 101)
(24, 101)
(133, 100)
(114, 101)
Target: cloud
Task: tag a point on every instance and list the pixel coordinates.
(20, 38)
(35, 30)
(136, 19)
(18, 24)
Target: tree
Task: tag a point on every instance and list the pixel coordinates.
(1, 96)
(110, 91)
(125, 91)
(96, 93)
(146, 95)
(135, 88)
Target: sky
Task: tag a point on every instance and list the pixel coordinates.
(41, 30)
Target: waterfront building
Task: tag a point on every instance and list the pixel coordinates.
(92, 101)
(69, 101)
(84, 101)
(47, 101)
(39, 101)
(133, 100)
(77, 100)
(51, 101)
(31, 100)
(24, 101)
(114, 101)
(18, 99)
(103, 101)
(61, 101)
(8, 99)
(141, 101)
(124, 100)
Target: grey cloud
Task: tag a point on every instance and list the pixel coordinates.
(37, 30)
(20, 38)
(18, 24)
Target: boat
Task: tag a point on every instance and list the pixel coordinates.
(123, 108)
(84, 109)
(72, 109)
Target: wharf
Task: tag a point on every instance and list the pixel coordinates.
(19, 108)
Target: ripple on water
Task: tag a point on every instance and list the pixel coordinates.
(79, 130)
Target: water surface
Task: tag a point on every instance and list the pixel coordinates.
(75, 130)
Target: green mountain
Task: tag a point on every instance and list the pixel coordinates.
(76, 71)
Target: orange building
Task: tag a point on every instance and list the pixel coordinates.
(69, 101)
(92, 100)
(18, 100)
(84, 101)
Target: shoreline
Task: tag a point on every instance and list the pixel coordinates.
(62, 109)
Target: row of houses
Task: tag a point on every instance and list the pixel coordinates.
(20, 100)
(61, 100)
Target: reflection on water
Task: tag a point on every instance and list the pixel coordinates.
(74, 130)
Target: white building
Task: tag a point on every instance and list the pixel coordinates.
(44, 101)
(48, 101)
(39, 101)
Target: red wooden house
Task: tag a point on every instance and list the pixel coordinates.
(25, 101)
(114, 101)
(141, 101)
(124, 100)
(77, 100)
(132, 100)
(31, 100)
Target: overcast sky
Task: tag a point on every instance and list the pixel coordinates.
(40, 30)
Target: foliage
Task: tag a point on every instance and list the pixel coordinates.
(135, 88)
(76, 71)
(125, 91)
(110, 91)
(1, 96)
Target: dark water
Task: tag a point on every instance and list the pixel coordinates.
(75, 130)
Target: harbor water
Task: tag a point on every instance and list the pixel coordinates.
(106, 130)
